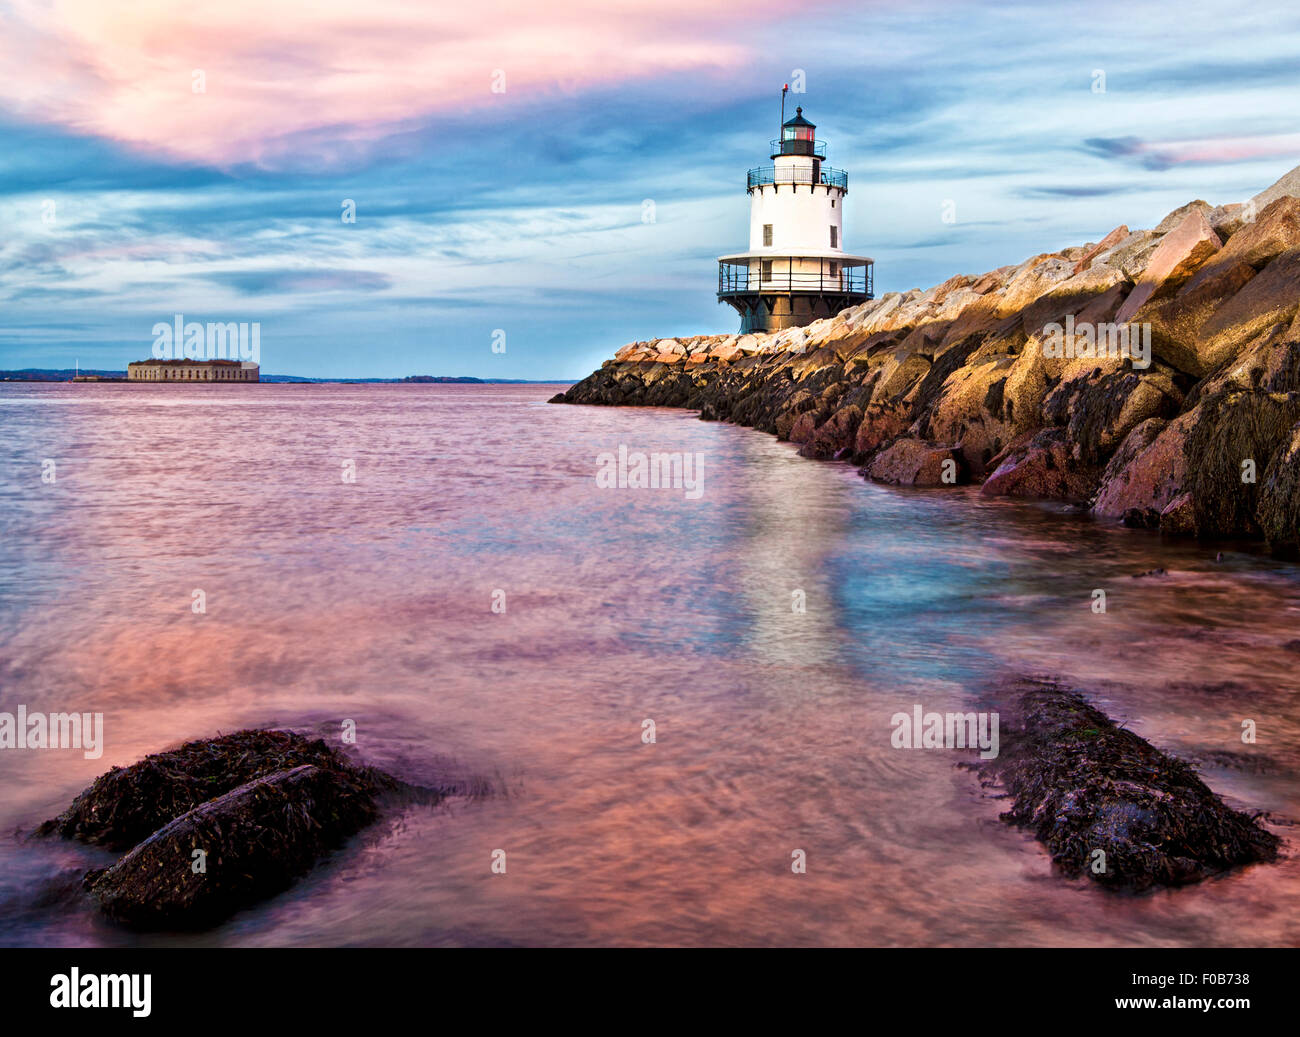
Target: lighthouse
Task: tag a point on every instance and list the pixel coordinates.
(796, 270)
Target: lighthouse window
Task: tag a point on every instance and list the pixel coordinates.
(835, 236)
(767, 270)
(835, 270)
(767, 234)
(832, 203)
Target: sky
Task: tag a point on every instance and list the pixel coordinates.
(558, 179)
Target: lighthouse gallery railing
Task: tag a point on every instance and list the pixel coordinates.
(826, 176)
(798, 146)
(778, 275)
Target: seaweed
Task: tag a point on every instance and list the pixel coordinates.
(256, 839)
(261, 806)
(1238, 426)
(1082, 784)
(129, 803)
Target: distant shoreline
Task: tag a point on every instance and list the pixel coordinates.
(92, 377)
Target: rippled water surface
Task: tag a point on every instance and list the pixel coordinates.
(372, 601)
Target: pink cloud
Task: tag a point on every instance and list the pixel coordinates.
(1221, 149)
(278, 68)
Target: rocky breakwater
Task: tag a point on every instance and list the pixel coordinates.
(971, 381)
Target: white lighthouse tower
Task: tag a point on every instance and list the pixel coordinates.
(796, 270)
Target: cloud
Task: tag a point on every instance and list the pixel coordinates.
(273, 282)
(323, 79)
(1074, 190)
(1220, 150)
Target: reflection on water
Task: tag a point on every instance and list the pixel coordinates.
(372, 601)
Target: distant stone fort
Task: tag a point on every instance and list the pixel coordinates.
(192, 371)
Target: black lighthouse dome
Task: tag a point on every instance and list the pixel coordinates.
(797, 121)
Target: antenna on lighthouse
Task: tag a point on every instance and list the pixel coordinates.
(784, 88)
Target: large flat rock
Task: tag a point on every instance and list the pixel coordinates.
(1179, 255)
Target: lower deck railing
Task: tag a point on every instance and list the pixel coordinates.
(781, 275)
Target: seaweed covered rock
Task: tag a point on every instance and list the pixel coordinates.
(129, 803)
(1041, 467)
(254, 840)
(1100, 404)
(1278, 510)
(1083, 784)
(262, 806)
(836, 433)
(1228, 451)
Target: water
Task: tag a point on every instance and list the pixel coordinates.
(372, 601)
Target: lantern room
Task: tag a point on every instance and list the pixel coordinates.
(798, 137)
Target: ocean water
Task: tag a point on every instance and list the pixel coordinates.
(371, 601)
